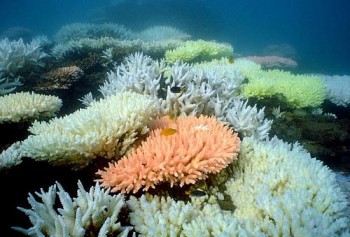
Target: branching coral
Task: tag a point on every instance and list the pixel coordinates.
(16, 55)
(199, 146)
(92, 213)
(8, 85)
(60, 78)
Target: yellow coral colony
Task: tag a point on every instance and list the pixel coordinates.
(200, 50)
(107, 128)
(25, 105)
(299, 90)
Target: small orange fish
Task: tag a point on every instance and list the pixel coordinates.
(168, 132)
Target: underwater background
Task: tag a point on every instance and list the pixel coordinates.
(316, 31)
(315, 34)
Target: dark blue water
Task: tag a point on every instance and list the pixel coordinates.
(315, 33)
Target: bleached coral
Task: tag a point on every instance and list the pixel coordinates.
(15, 55)
(282, 191)
(162, 33)
(277, 189)
(107, 128)
(27, 106)
(198, 84)
(338, 89)
(138, 73)
(76, 31)
(247, 120)
(8, 85)
(10, 157)
(94, 212)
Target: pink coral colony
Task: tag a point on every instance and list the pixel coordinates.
(179, 152)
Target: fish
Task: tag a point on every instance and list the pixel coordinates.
(168, 132)
(196, 193)
(231, 60)
(177, 89)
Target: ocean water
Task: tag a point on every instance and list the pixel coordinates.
(316, 32)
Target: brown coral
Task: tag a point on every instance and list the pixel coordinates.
(198, 147)
(60, 78)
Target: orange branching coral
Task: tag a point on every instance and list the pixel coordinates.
(178, 151)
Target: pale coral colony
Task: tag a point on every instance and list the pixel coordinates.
(171, 115)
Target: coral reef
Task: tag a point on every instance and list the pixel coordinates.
(60, 78)
(27, 106)
(8, 85)
(162, 33)
(177, 152)
(107, 128)
(299, 90)
(337, 89)
(76, 31)
(199, 50)
(91, 213)
(276, 188)
(16, 56)
(267, 62)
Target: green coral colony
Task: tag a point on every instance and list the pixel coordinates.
(275, 188)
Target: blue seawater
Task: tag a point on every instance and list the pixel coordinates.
(316, 33)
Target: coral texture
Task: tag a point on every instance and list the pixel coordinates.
(8, 85)
(16, 55)
(299, 90)
(25, 105)
(282, 191)
(276, 189)
(107, 128)
(199, 146)
(199, 50)
(91, 213)
(162, 32)
(338, 89)
(60, 78)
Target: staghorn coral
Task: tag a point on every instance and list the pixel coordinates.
(199, 84)
(27, 106)
(91, 213)
(107, 128)
(199, 50)
(17, 55)
(8, 85)
(200, 146)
